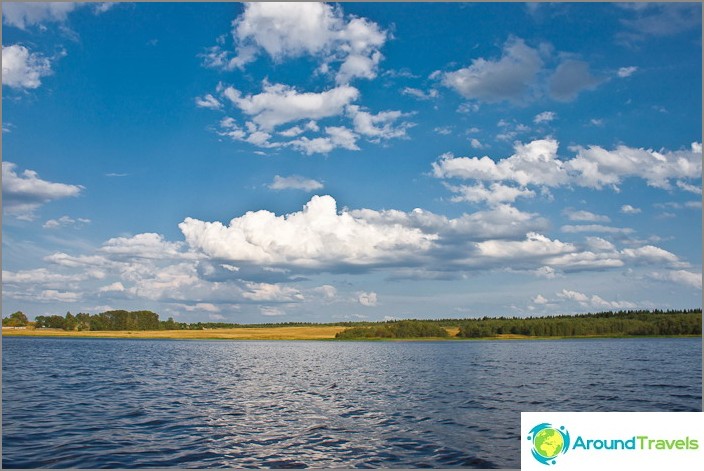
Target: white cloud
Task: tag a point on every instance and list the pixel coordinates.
(147, 245)
(628, 209)
(420, 94)
(24, 193)
(292, 131)
(293, 29)
(266, 292)
(496, 193)
(536, 163)
(328, 292)
(594, 301)
(595, 167)
(682, 277)
(295, 182)
(474, 142)
(271, 311)
(280, 104)
(23, 14)
(443, 130)
(595, 228)
(380, 125)
(317, 237)
(337, 137)
(64, 221)
(208, 101)
(581, 215)
(697, 190)
(545, 117)
(47, 279)
(652, 254)
(115, 287)
(535, 245)
(624, 72)
(52, 295)
(539, 299)
(367, 299)
(203, 307)
(508, 78)
(22, 68)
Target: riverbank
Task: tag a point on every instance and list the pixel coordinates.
(273, 333)
(242, 333)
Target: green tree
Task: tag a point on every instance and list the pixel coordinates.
(16, 319)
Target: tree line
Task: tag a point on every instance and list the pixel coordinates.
(395, 330)
(622, 323)
(609, 323)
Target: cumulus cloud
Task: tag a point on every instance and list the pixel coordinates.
(570, 78)
(23, 194)
(147, 245)
(295, 182)
(367, 299)
(697, 190)
(596, 167)
(22, 68)
(534, 246)
(317, 237)
(23, 14)
(594, 301)
(682, 277)
(628, 209)
(289, 30)
(539, 299)
(545, 117)
(507, 78)
(208, 101)
(115, 287)
(582, 215)
(266, 292)
(378, 126)
(536, 163)
(496, 193)
(420, 94)
(280, 104)
(336, 137)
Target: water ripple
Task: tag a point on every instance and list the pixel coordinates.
(86, 403)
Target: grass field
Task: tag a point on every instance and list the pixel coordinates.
(248, 333)
(261, 333)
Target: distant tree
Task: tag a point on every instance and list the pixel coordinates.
(16, 319)
(70, 322)
(82, 321)
(54, 322)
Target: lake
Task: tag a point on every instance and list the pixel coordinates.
(100, 403)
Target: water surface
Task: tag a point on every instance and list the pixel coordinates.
(100, 403)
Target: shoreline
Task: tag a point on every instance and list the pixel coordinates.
(286, 333)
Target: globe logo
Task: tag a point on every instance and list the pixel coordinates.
(548, 442)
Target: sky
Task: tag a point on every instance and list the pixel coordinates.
(321, 162)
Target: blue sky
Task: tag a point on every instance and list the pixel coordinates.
(327, 162)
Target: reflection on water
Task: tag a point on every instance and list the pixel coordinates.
(87, 403)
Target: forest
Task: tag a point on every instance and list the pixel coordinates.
(623, 323)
